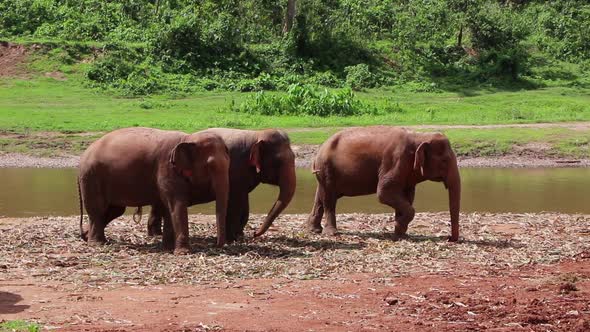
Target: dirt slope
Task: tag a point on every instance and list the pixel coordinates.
(12, 57)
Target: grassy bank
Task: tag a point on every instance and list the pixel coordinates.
(50, 110)
(538, 142)
(47, 104)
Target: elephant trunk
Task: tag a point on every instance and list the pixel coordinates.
(287, 184)
(221, 185)
(453, 183)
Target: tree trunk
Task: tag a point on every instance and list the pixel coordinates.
(289, 16)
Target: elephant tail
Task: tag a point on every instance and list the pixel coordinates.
(81, 204)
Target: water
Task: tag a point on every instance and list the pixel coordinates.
(38, 192)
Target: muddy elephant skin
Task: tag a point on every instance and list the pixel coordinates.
(386, 160)
(169, 170)
(255, 157)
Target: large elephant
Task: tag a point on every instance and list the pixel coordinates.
(167, 169)
(389, 161)
(255, 156)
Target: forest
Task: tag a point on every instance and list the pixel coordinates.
(143, 47)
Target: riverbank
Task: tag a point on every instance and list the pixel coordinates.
(306, 152)
(359, 280)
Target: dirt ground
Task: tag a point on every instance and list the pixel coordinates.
(509, 272)
(12, 59)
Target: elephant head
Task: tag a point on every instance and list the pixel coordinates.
(435, 160)
(275, 162)
(206, 158)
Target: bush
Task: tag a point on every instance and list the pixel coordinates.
(359, 77)
(326, 78)
(305, 100)
(189, 43)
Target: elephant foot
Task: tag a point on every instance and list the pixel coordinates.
(398, 237)
(182, 251)
(330, 231)
(400, 229)
(234, 237)
(154, 231)
(97, 242)
(167, 245)
(239, 236)
(315, 229)
(84, 236)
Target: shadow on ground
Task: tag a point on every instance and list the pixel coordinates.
(8, 303)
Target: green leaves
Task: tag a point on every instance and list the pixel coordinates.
(306, 100)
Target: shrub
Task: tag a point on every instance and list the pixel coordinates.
(305, 100)
(359, 77)
(326, 78)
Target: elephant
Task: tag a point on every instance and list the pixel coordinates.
(386, 160)
(255, 157)
(170, 170)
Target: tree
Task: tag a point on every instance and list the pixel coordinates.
(289, 16)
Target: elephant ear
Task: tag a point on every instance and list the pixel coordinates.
(420, 157)
(256, 155)
(182, 157)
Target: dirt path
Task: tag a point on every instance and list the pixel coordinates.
(63, 149)
(509, 272)
(568, 125)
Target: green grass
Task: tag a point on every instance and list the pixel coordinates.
(493, 142)
(39, 104)
(19, 326)
(47, 104)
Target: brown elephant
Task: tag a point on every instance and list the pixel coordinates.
(255, 157)
(170, 170)
(386, 160)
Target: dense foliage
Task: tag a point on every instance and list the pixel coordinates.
(305, 100)
(148, 46)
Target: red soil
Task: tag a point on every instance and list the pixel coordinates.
(534, 297)
(12, 57)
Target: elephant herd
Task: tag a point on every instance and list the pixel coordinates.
(171, 170)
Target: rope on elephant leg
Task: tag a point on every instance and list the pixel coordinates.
(137, 215)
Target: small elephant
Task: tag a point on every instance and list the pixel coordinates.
(170, 170)
(255, 157)
(386, 160)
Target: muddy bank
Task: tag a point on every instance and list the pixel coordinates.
(17, 160)
(509, 271)
(306, 153)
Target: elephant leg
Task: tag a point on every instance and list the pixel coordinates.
(154, 226)
(168, 233)
(96, 225)
(314, 222)
(237, 216)
(409, 194)
(179, 213)
(245, 213)
(330, 209)
(391, 194)
(99, 222)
